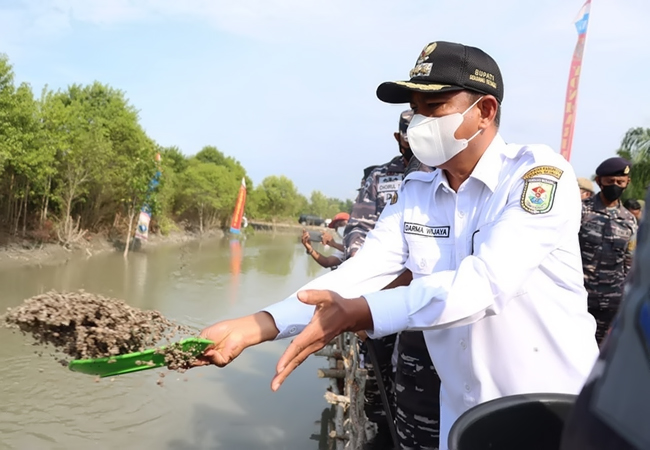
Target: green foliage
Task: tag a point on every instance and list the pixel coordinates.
(166, 225)
(207, 193)
(173, 158)
(326, 207)
(277, 197)
(210, 154)
(79, 158)
(635, 147)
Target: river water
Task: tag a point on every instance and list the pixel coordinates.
(43, 405)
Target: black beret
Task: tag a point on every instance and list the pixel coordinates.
(612, 167)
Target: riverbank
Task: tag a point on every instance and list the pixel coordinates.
(18, 252)
(22, 252)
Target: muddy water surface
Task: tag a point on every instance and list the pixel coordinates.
(45, 406)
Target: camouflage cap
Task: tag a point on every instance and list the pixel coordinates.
(404, 121)
(586, 184)
(613, 167)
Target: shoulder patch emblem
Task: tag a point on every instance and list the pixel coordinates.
(544, 170)
(538, 195)
(393, 199)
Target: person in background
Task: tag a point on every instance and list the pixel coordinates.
(634, 206)
(613, 408)
(607, 238)
(338, 223)
(334, 260)
(586, 187)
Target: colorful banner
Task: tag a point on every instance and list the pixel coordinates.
(235, 224)
(571, 102)
(142, 230)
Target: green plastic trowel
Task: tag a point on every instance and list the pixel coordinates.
(134, 362)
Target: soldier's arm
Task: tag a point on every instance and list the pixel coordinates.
(363, 216)
(629, 253)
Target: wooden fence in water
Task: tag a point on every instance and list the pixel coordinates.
(345, 422)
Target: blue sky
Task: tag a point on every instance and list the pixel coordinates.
(288, 86)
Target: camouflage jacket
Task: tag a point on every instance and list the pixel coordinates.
(377, 189)
(607, 240)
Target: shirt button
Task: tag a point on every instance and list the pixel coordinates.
(423, 263)
(461, 213)
(467, 388)
(463, 345)
(292, 330)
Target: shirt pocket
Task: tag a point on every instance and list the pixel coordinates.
(427, 255)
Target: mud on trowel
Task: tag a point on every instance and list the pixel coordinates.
(134, 362)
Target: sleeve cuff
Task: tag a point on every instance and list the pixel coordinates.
(389, 312)
(289, 320)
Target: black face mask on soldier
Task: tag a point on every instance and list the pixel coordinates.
(406, 153)
(612, 192)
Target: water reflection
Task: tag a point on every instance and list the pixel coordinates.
(45, 406)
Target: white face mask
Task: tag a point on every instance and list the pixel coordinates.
(340, 231)
(432, 138)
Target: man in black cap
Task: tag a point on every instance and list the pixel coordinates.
(491, 239)
(607, 239)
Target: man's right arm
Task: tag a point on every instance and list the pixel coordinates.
(376, 265)
(379, 263)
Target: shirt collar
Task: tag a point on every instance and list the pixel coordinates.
(486, 171)
(489, 166)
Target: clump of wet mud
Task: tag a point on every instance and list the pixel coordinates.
(84, 325)
(176, 358)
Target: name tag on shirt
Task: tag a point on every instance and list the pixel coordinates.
(389, 183)
(426, 231)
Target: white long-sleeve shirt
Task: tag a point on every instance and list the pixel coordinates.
(497, 278)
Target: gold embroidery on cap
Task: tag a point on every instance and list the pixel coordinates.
(483, 77)
(422, 87)
(426, 52)
(627, 170)
(421, 70)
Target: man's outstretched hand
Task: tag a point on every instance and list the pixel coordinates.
(231, 337)
(332, 316)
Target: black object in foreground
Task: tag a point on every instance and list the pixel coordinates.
(516, 422)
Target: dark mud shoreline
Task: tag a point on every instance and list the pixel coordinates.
(15, 252)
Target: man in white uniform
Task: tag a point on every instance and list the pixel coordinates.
(491, 239)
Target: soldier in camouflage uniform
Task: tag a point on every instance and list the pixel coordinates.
(607, 240)
(613, 407)
(414, 386)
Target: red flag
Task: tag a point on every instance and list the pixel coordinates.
(235, 225)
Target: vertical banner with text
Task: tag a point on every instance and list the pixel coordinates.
(571, 102)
